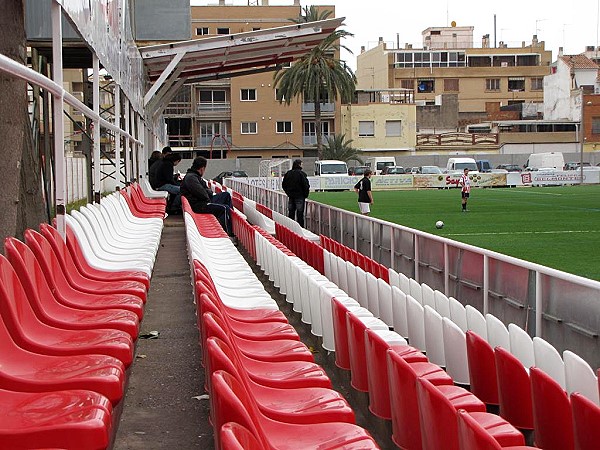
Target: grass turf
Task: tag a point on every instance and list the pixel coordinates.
(557, 227)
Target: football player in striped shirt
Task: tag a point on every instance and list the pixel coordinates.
(465, 188)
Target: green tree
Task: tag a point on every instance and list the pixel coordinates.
(312, 14)
(318, 76)
(340, 148)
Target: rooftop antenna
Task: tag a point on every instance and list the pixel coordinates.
(536, 25)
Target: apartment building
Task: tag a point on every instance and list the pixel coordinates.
(240, 117)
(484, 78)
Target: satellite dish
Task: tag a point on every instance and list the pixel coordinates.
(453, 23)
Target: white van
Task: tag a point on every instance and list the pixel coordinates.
(331, 168)
(377, 163)
(458, 165)
(537, 161)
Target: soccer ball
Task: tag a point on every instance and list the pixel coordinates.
(439, 224)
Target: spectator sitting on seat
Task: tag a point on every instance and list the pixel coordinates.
(162, 178)
(155, 156)
(166, 150)
(202, 200)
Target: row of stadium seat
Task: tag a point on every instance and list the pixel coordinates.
(69, 319)
(434, 331)
(264, 386)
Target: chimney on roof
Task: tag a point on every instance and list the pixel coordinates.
(485, 41)
(296, 2)
(380, 40)
(407, 46)
(534, 41)
(560, 51)
(362, 48)
(265, 2)
(221, 2)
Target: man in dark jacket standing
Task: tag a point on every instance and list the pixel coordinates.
(202, 200)
(296, 186)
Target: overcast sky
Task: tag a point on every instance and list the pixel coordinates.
(569, 24)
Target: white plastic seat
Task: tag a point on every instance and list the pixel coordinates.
(384, 293)
(394, 278)
(442, 304)
(149, 192)
(152, 240)
(416, 323)
(326, 288)
(342, 275)
(458, 314)
(476, 321)
(404, 283)
(497, 332)
(334, 269)
(351, 279)
(427, 295)
(455, 352)
(549, 360)
(119, 222)
(373, 294)
(315, 280)
(131, 217)
(434, 336)
(327, 264)
(399, 312)
(521, 345)
(327, 317)
(580, 377)
(362, 290)
(415, 290)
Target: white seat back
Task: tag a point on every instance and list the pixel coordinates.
(342, 275)
(351, 278)
(521, 345)
(497, 332)
(384, 292)
(394, 278)
(404, 283)
(580, 377)
(362, 291)
(373, 294)
(427, 295)
(549, 360)
(458, 314)
(415, 290)
(476, 321)
(434, 336)
(455, 352)
(399, 312)
(442, 304)
(416, 323)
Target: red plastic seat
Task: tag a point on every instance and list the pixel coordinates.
(50, 311)
(586, 422)
(280, 350)
(376, 349)
(137, 189)
(342, 353)
(552, 417)
(86, 269)
(473, 436)
(438, 406)
(63, 291)
(482, 368)
(43, 249)
(231, 403)
(137, 211)
(139, 203)
(280, 374)
(236, 437)
(24, 371)
(514, 390)
(298, 405)
(33, 335)
(63, 419)
(406, 425)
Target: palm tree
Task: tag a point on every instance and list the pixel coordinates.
(318, 76)
(340, 148)
(312, 14)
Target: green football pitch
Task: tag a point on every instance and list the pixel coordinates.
(557, 226)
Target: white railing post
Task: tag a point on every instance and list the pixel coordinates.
(118, 136)
(486, 284)
(538, 304)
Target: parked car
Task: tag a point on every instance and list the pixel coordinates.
(431, 170)
(414, 170)
(229, 174)
(392, 170)
(575, 165)
(510, 167)
(357, 170)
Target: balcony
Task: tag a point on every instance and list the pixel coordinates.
(311, 138)
(213, 109)
(214, 140)
(327, 109)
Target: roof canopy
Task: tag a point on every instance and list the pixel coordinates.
(171, 65)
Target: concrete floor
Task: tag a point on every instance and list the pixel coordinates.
(165, 406)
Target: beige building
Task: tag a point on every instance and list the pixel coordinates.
(240, 117)
(484, 78)
(381, 122)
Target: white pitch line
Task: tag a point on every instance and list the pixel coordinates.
(523, 232)
(524, 191)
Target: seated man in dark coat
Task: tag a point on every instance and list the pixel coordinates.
(202, 200)
(162, 178)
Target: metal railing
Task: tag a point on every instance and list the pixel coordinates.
(562, 308)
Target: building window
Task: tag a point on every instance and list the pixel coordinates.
(248, 95)
(277, 95)
(425, 86)
(516, 84)
(202, 31)
(595, 125)
(492, 84)
(451, 85)
(212, 96)
(407, 84)
(537, 84)
(249, 128)
(284, 127)
(366, 128)
(255, 28)
(222, 30)
(393, 128)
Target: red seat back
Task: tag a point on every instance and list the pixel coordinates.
(586, 422)
(552, 418)
(236, 437)
(514, 389)
(472, 436)
(482, 368)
